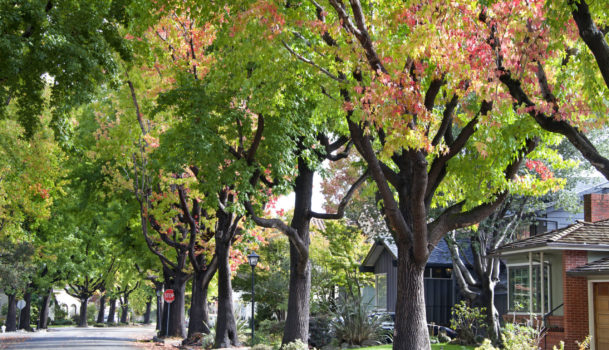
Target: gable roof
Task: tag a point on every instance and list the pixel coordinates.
(579, 236)
(440, 255)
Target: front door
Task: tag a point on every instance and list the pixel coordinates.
(601, 315)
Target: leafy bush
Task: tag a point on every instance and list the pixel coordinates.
(62, 322)
(60, 313)
(269, 332)
(320, 331)
(351, 323)
(467, 322)
(295, 345)
(99, 325)
(91, 313)
(516, 337)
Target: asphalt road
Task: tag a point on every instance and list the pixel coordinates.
(78, 338)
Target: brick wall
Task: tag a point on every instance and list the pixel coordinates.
(596, 207)
(575, 298)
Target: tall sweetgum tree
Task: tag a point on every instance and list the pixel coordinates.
(432, 122)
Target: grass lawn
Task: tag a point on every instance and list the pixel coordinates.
(433, 346)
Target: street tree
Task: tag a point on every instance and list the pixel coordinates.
(55, 54)
(429, 119)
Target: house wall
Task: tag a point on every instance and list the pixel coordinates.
(576, 303)
(559, 218)
(384, 264)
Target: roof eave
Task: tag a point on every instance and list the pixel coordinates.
(551, 246)
(588, 273)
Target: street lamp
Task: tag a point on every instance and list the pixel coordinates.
(253, 260)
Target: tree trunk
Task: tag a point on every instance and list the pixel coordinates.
(112, 311)
(297, 320)
(410, 320)
(159, 308)
(177, 318)
(11, 316)
(25, 317)
(124, 309)
(486, 299)
(102, 309)
(82, 319)
(226, 326)
(43, 320)
(148, 309)
(199, 314)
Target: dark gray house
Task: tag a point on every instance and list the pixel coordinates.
(441, 290)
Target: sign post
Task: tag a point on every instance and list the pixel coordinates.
(20, 305)
(169, 297)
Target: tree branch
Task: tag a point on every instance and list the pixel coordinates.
(256, 142)
(281, 226)
(453, 218)
(592, 36)
(340, 211)
(308, 61)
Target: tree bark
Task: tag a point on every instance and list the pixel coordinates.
(112, 311)
(124, 309)
(43, 320)
(102, 307)
(486, 299)
(199, 313)
(226, 326)
(177, 319)
(148, 310)
(410, 320)
(297, 319)
(82, 319)
(25, 317)
(11, 316)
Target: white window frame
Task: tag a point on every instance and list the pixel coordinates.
(376, 291)
(548, 286)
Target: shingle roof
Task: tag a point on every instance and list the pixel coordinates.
(600, 266)
(441, 253)
(592, 234)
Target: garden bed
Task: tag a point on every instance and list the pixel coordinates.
(443, 346)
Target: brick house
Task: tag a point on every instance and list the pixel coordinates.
(560, 279)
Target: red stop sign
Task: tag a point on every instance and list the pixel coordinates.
(169, 296)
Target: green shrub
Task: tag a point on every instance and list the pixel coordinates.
(351, 323)
(518, 337)
(295, 345)
(320, 331)
(467, 322)
(91, 313)
(99, 325)
(60, 314)
(515, 337)
(63, 322)
(270, 332)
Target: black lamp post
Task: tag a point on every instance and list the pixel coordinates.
(253, 260)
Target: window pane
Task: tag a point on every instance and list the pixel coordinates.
(520, 285)
(381, 291)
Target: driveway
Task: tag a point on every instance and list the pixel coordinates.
(79, 338)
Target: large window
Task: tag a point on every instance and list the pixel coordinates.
(381, 291)
(520, 285)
